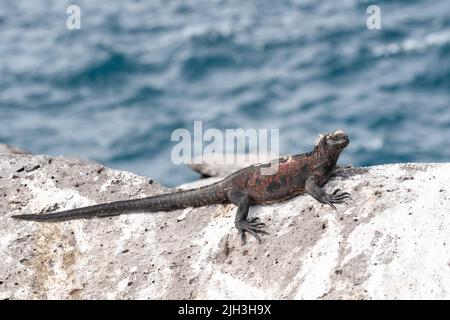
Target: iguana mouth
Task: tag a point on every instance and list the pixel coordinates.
(339, 137)
(343, 142)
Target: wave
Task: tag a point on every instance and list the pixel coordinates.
(114, 67)
(435, 39)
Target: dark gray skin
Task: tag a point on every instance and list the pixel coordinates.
(296, 175)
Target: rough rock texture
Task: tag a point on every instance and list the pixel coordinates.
(210, 165)
(391, 241)
(9, 149)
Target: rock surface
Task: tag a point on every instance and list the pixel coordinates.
(210, 165)
(391, 241)
(9, 149)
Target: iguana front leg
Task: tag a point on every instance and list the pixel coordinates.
(314, 190)
(252, 226)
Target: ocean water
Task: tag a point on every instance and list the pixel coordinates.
(115, 90)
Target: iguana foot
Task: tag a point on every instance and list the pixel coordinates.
(337, 197)
(253, 226)
(317, 192)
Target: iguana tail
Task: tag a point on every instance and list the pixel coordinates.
(165, 202)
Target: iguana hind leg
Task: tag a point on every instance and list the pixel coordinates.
(314, 190)
(253, 226)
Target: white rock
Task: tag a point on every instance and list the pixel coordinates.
(210, 165)
(199, 183)
(9, 149)
(392, 241)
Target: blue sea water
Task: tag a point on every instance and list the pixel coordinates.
(115, 90)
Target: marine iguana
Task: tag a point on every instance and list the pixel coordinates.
(296, 175)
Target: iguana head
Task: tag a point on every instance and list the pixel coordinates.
(329, 147)
(336, 140)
